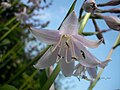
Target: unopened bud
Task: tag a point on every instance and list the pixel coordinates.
(113, 10)
(89, 6)
(112, 21)
(110, 3)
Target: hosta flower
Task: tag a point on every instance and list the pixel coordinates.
(112, 21)
(89, 6)
(80, 71)
(67, 47)
(22, 16)
(5, 5)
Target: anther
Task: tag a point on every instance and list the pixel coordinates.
(67, 44)
(60, 56)
(73, 57)
(83, 54)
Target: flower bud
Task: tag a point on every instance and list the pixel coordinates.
(112, 21)
(113, 10)
(110, 3)
(89, 6)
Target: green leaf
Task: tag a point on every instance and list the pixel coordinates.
(13, 28)
(8, 87)
(43, 78)
(52, 78)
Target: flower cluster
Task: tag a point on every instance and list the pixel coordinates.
(113, 22)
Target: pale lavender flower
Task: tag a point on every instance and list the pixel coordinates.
(89, 6)
(67, 47)
(22, 16)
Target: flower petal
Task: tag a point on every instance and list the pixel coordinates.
(48, 59)
(86, 42)
(92, 72)
(46, 36)
(66, 65)
(78, 70)
(70, 25)
(88, 60)
(67, 68)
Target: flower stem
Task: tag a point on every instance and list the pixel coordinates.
(101, 70)
(84, 22)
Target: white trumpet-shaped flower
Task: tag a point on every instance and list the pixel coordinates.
(67, 47)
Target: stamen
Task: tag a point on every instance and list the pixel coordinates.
(73, 49)
(66, 56)
(57, 43)
(71, 45)
(67, 44)
(83, 54)
(59, 58)
(59, 55)
(73, 57)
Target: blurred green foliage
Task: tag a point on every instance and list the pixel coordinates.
(16, 65)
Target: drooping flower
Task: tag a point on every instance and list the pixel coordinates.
(89, 6)
(67, 47)
(112, 21)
